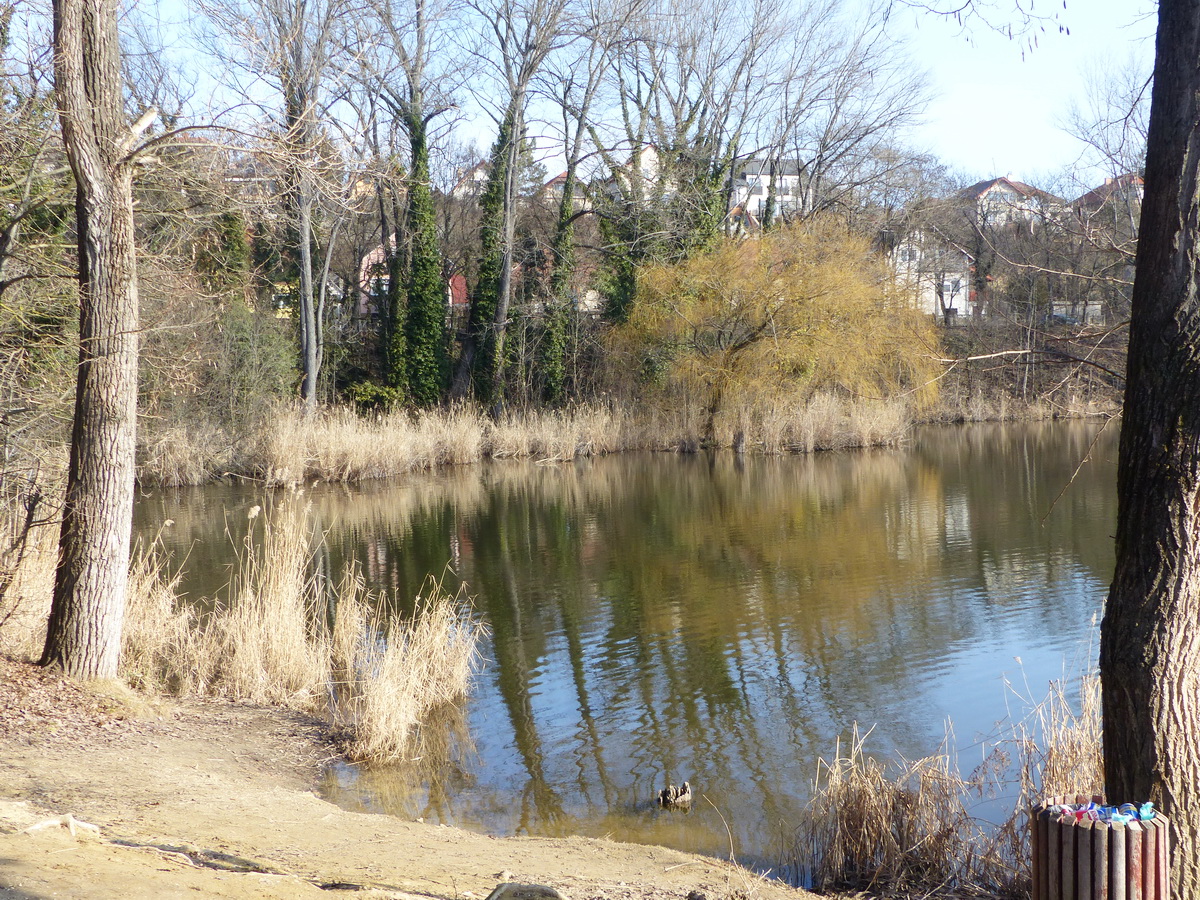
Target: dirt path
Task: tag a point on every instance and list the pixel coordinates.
(213, 800)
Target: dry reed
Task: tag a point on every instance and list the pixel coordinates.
(908, 826)
(869, 827)
(338, 444)
(394, 672)
(157, 637)
(28, 553)
(270, 641)
(264, 644)
(187, 454)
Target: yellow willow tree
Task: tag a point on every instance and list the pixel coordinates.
(795, 311)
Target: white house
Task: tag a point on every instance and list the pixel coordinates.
(751, 184)
(1006, 201)
(939, 275)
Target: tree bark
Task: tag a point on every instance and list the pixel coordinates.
(84, 633)
(310, 349)
(1150, 642)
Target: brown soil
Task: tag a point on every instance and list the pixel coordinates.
(213, 800)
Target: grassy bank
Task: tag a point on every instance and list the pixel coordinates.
(337, 444)
(1071, 375)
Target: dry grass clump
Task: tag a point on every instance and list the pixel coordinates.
(266, 643)
(907, 827)
(183, 454)
(870, 827)
(262, 642)
(392, 672)
(28, 553)
(270, 640)
(558, 436)
(158, 633)
(340, 445)
(827, 421)
(1059, 749)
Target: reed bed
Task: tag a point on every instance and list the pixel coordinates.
(339, 444)
(265, 643)
(906, 828)
(382, 696)
(282, 637)
(872, 827)
(180, 454)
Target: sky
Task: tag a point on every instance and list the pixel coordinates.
(996, 113)
(999, 106)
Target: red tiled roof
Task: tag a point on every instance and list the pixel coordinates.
(1097, 197)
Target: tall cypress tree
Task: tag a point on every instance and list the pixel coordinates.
(395, 375)
(425, 347)
(480, 359)
(552, 350)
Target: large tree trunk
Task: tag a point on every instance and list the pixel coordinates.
(1150, 638)
(84, 635)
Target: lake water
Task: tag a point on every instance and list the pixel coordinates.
(719, 619)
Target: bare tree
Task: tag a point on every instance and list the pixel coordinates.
(293, 46)
(415, 70)
(848, 92)
(521, 35)
(84, 632)
(572, 81)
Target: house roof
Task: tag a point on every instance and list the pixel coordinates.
(1118, 186)
(755, 167)
(981, 189)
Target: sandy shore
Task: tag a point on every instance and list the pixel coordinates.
(214, 800)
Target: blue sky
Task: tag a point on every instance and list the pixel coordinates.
(999, 106)
(996, 113)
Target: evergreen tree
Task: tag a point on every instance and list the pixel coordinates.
(425, 347)
(395, 374)
(552, 350)
(481, 360)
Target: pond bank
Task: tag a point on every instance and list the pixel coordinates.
(215, 799)
(338, 444)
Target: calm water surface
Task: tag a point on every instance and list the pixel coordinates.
(656, 618)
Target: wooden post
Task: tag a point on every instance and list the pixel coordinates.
(1083, 859)
(1133, 861)
(1035, 854)
(1070, 833)
(1100, 862)
(1055, 858)
(1164, 858)
(1116, 853)
(1043, 853)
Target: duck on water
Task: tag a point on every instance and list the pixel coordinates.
(675, 796)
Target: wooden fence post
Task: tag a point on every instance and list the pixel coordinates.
(1076, 858)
